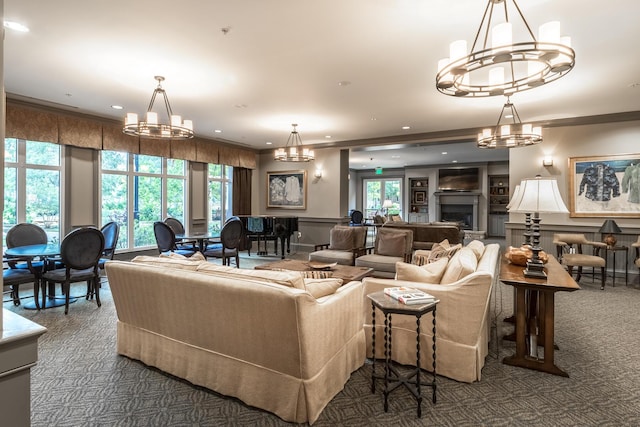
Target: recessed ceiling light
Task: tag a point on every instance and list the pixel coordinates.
(269, 142)
(395, 157)
(344, 83)
(217, 131)
(16, 26)
(406, 127)
(328, 136)
(454, 161)
(117, 107)
(444, 153)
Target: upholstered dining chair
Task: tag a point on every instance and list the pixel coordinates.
(12, 278)
(111, 232)
(80, 252)
(356, 217)
(166, 240)
(570, 252)
(26, 234)
(231, 237)
(178, 228)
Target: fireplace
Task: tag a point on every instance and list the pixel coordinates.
(462, 214)
(460, 207)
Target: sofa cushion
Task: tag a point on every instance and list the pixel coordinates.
(291, 279)
(341, 239)
(379, 262)
(329, 255)
(427, 273)
(477, 247)
(392, 245)
(319, 288)
(195, 257)
(463, 263)
(179, 262)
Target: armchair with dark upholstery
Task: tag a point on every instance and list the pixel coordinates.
(345, 245)
(570, 252)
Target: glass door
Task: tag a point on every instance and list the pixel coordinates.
(382, 197)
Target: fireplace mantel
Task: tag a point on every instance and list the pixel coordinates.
(471, 198)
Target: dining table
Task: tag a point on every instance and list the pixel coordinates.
(202, 238)
(48, 253)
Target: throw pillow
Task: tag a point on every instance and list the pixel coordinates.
(428, 273)
(463, 263)
(392, 245)
(316, 274)
(420, 257)
(319, 288)
(341, 239)
(442, 251)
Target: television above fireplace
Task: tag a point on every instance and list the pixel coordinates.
(459, 179)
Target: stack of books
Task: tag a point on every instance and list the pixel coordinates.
(409, 296)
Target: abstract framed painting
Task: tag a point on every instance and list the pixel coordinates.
(601, 186)
(287, 189)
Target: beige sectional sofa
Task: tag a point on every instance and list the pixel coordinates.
(260, 336)
(463, 285)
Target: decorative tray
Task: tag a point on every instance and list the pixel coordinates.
(316, 265)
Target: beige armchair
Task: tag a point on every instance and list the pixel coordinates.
(345, 245)
(570, 253)
(391, 245)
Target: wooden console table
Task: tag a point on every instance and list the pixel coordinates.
(535, 313)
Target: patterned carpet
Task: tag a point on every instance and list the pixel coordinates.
(81, 381)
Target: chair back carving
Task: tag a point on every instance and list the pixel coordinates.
(25, 234)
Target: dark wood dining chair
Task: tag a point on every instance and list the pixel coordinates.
(178, 228)
(12, 278)
(231, 237)
(80, 252)
(26, 234)
(166, 240)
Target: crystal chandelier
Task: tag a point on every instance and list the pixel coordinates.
(152, 128)
(501, 67)
(509, 135)
(293, 151)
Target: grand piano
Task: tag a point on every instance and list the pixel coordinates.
(262, 228)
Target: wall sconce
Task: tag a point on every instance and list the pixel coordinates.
(318, 173)
(547, 161)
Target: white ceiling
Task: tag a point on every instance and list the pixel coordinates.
(279, 62)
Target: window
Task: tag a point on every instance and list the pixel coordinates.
(220, 187)
(32, 172)
(377, 191)
(138, 190)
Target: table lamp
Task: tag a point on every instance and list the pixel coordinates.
(537, 195)
(527, 216)
(386, 205)
(609, 227)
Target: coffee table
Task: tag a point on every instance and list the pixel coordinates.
(347, 273)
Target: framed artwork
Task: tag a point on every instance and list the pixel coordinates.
(420, 196)
(287, 189)
(601, 186)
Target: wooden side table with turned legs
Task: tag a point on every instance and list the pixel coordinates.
(392, 377)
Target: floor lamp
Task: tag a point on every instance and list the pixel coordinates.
(537, 195)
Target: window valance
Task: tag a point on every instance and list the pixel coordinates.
(35, 123)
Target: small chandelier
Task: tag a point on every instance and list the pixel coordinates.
(501, 67)
(293, 151)
(509, 135)
(151, 128)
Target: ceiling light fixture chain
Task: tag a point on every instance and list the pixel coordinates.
(293, 150)
(500, 66)
(152, 128)
(509, 135)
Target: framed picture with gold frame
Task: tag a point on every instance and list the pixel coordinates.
(601, 186)
(287, 189)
